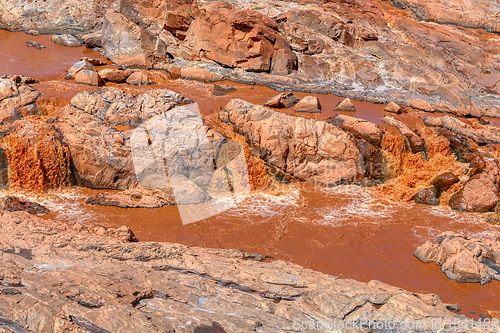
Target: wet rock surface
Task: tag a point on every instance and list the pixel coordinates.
(307, 149)
(462, 259)
(309, 104)
(13, 97)
(97, 128)
(14, 204)
(90, 278)
(283, 100)
(428, 196)
(365, 50)
(66, 40)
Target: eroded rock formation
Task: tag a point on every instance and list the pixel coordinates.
(463, 259)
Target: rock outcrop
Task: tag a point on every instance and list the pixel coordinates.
(463, 259)
(49, 283)
(309, 150)
(242, 39)
(13, 98)
(97, 128)
(66, 40)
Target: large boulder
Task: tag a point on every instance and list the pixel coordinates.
(461, 259)
(77, 67)
(240, 38)
(308, 104)
(97, 128)
(126, 43)
(307, 149)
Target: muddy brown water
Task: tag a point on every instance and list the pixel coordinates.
(343, 231)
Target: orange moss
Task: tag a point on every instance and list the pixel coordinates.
(37, 158)
(413, 172)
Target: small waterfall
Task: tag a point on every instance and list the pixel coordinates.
(37, 157)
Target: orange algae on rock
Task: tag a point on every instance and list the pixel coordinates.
(38, 158)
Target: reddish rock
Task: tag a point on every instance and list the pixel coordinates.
(14, 204)
(283, 100)
(414, 142)
(126, 43)
(444, 181)
(428, 196)
(393, 108)
(479, 194)
(221, 90)
(89, 77)
(307, 149)
(115, 75)
(461, 259)
(309, 104)
(79, 66)
(200, 74)
(345, 105)
(360, 128)
(239, 38)
(66, 40)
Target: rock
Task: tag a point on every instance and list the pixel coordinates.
(307, 149)
(413, 141)
(479, 194)
(88, 77)
(14, 204)
(20, 79)
(239, 38)
(35, 44)
(393, 108)
(308, 104)
(444, 181)
(200, 74)
(461, 259)
(93, 39)
(481, 136)
(221, 90)
(127, 44)
(345, 105)
(134, 198)
(13, 97)
(146, 280)
(100, 148)
(94, 62)
(428, 196)
(115, 75)
(138, 79)
(360, 128)
(283, 100)
(66, 40)
(79, 66)
(32, 32)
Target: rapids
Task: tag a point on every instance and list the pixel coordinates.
(345, 231)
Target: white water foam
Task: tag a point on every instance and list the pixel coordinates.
(362, 207)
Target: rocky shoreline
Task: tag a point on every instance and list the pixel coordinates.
(69, 277)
